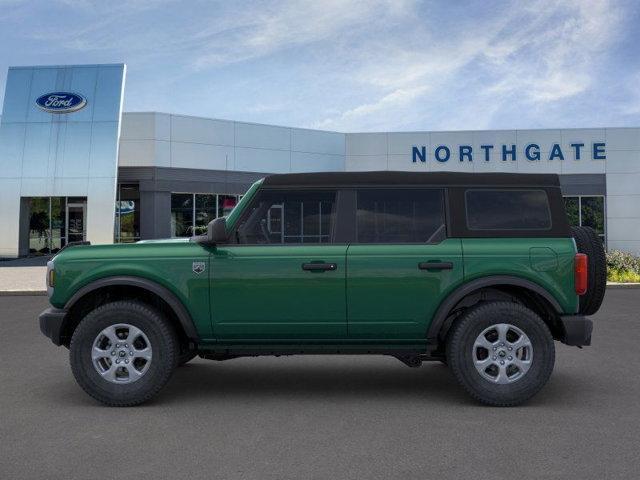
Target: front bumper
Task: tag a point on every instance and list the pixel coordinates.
(576, 330)
(51, 324)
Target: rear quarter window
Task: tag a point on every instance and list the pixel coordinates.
(507, 209)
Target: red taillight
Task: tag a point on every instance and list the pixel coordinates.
(581, 273)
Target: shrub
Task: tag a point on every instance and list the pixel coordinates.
(622, 267)
(622, 276)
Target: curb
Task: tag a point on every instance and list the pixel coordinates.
(623, 285)
(22, 293)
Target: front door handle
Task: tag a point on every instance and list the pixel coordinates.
(319, 267)
(435, 265)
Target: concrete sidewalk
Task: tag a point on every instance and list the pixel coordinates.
(23, 276)
(23, 280)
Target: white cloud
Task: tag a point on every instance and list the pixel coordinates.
(286, 24)
(551, 56)
(530, 54)
(348, 64)
(398, 98)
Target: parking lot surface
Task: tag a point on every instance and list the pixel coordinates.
(321, 417)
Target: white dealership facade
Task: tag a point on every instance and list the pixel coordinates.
(98, 174)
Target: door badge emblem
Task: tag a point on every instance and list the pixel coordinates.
(198, 267)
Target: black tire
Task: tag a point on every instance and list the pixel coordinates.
(460, 352)
(164, 347)
(588, 242)
(186, 356)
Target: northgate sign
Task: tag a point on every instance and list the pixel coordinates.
(531, 152)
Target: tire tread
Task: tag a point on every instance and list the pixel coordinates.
(588, 242)
(455, 342)
(165, 330)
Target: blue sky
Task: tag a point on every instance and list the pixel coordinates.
(351, 65)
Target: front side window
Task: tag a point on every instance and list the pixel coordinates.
(489, 209)
(288, 217)
(400, 216)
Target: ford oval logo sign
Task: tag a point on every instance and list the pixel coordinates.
(61, 102)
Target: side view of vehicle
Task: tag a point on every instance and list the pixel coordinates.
(479, 271)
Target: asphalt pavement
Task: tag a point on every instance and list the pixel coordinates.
(321, 417)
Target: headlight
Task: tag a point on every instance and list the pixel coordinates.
(51, 277)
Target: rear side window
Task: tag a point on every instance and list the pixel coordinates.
(490, 209)
(400, 216)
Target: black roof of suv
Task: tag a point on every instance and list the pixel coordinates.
(413, 178)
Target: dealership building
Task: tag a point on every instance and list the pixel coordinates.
(74, 166)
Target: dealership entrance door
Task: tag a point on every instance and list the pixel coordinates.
(76, 221)
(50, 223)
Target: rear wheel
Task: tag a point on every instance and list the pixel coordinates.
(588, 242)
(502, 353)
(123, 353)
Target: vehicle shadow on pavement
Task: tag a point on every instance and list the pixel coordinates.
(252, 378)
(432, 383)
(256, 380)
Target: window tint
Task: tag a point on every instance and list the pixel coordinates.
(400, 216)
(279, 217)
(508, 210)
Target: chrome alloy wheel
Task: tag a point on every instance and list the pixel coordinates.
(121, 353)
(502, 353)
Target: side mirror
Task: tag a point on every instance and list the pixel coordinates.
(217, 231)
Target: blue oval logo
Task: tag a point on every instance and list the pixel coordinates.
(61, 102)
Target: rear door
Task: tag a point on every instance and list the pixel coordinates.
(284, 278)
(401, 264)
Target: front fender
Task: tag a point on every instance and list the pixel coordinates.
(165, 294)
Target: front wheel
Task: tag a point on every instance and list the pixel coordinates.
(502, 353)
(123, 353)
(185, 356)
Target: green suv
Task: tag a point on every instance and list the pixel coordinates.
(478, 271)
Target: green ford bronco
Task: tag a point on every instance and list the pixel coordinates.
(478, 271)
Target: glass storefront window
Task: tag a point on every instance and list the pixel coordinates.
(572, 206)
(39, 225)
(127, 228)
(204, 213)
(54, 222)
(191, 212)
(592, 213)
(588, 211)
(181, 214)
(58, 224)
(226, 203)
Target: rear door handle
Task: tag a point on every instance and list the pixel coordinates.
(435, 265)
(319, 267)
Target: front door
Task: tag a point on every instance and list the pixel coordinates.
(76, 216)
(282, 277)
(401, 265)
